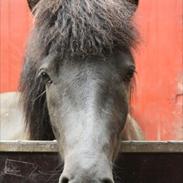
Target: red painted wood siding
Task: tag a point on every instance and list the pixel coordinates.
(158, 98)
(159, 90)
(15, 21)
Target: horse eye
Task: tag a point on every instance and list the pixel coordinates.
(129, 74)
(45, 77)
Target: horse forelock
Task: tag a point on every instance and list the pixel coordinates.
(84, 27)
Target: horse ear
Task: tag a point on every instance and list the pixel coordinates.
(32, 3)
(135, 2)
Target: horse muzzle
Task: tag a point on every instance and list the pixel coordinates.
(86, 169)
(64, 179)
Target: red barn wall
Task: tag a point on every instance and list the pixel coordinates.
(158, 103)
(158, 96)
(15, 21)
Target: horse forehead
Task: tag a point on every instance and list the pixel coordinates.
(95, 63)
(85, 69)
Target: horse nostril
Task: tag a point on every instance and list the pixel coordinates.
(107, 180)
(64, 180)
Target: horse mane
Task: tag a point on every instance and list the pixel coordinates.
(69, 28)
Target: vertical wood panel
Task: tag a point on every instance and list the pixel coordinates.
(15, 23)
(160, 68)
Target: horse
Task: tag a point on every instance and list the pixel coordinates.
(12, 125)
(76, 81)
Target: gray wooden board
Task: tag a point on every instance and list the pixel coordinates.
(126, 146)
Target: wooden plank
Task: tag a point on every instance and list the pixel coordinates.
(152, 146)
(28, 146)
(126, 146)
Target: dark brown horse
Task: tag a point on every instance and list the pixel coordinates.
(76, 81)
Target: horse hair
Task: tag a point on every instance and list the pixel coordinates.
(69, 28)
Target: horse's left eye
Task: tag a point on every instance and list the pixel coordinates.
(45, 77)
(129, 74)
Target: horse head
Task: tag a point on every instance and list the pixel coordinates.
(76, 81)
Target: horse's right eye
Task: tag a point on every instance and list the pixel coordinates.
(45, 77)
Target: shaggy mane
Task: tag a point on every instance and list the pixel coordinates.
(83, 26)
(68, 28)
